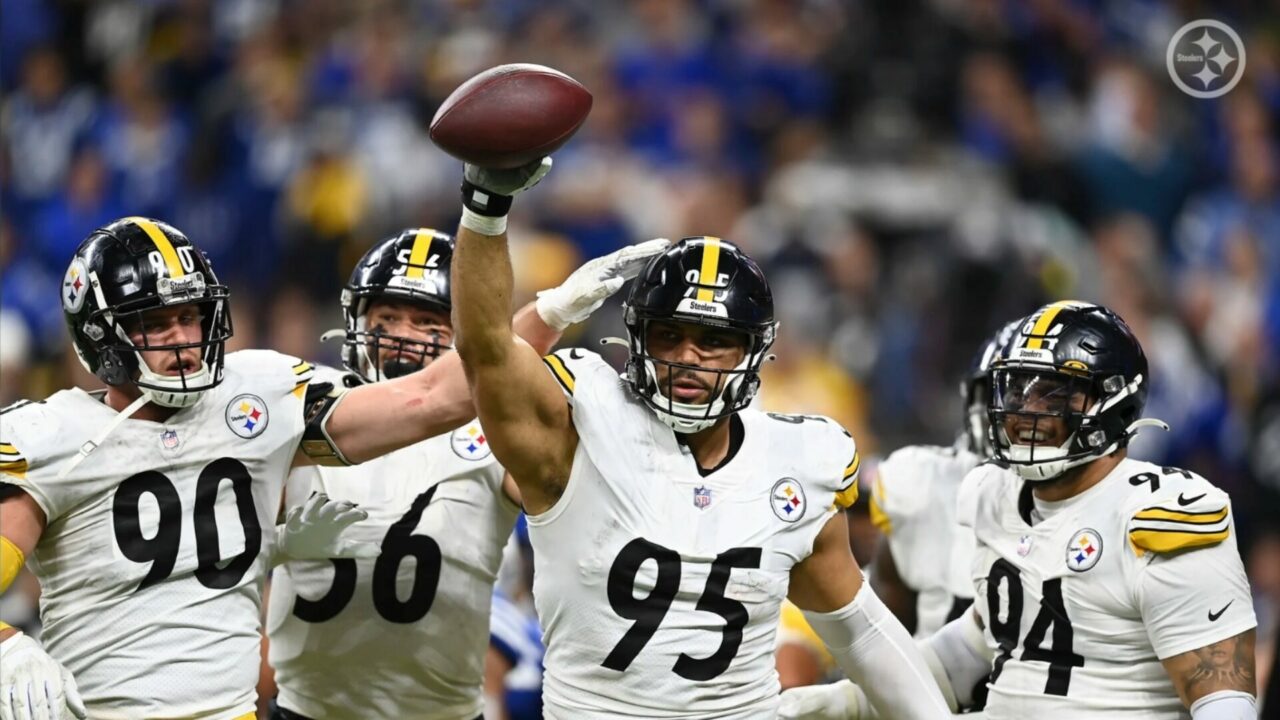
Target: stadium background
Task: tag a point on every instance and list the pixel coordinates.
(911, 174)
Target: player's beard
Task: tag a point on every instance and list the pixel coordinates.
(400, 366)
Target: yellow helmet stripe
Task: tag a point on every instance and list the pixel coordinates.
(421, 251)
(1045, 321)
(162, 244)
(710, 268)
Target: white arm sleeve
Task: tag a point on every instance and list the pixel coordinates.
(1225, 705)
(959, 658)
(876, 652)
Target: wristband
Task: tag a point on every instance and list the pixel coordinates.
(484, 202)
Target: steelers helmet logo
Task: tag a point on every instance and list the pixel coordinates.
(787, 500)
(1084, 550)
(75, 286)
(247, 416)
(469, 442)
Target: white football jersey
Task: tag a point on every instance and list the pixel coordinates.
(913, 502)
(152, 562)
(403, 635)
(659, 588)
(1082, 606)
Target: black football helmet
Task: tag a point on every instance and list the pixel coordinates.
(412, 265)
(975, 390)
(1075, 362)
(705, 281)
(118, 274)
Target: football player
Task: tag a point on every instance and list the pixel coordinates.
(1106, 587)
(922, 567)
(668, 518)
(405, 634)
(141, 508)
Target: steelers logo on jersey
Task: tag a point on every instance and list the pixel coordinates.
(1084, 550)
(247, 415)
(469, 442)
(787, 500)
(75, 286)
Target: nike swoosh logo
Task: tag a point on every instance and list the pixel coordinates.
(1213, 616)
(1185, 501)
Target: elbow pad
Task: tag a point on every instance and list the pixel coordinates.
(321, 400)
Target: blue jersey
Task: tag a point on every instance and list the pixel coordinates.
(516, 635)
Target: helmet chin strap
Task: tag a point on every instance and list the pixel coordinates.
(110, 427)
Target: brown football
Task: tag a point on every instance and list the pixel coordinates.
(510, 115)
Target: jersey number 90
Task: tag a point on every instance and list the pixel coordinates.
(161, 550)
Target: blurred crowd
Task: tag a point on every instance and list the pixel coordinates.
(911, 173)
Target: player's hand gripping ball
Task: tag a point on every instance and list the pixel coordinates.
(510, 115)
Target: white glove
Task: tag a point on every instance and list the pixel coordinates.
(837, 701)
(590, 285)
(34, 686)
(314, 531)
(509, 181)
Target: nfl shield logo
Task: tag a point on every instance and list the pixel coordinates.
(701, 497)
(169, 439)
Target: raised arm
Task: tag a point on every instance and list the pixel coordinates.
(377, 418)
(524, 414)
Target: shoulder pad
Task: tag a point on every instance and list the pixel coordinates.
(289, 373)
(569, 364)
(29, 433)
(1174, 510)
(975, 485)
(904, 483)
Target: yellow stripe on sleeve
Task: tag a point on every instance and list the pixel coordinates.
(1163, 541)
(560, 371)
(162, 244)
(854, 464)
(7, 449)
(11, 560)
(302, 367)
(879, 517)
(1200, 518)
(14, 468)
(710, 269)
(420, 252)
(847, 497)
